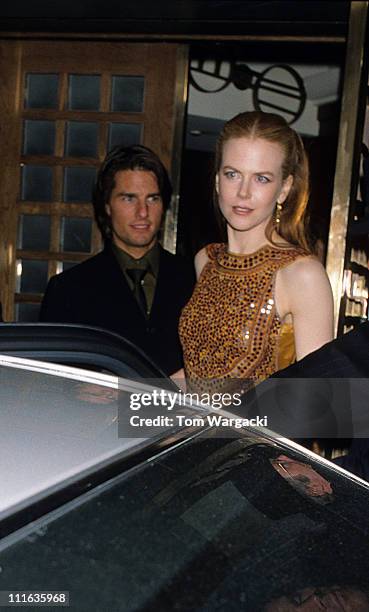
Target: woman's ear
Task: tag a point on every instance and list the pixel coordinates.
(286, 187)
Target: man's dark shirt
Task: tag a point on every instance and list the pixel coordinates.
(149, 262)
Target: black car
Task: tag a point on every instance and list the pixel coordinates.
(194, 514)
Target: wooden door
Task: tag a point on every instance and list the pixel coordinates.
(63, 105)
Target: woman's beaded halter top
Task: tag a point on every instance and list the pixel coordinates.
(230, 328)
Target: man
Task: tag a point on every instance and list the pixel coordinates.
(345, 361)
(323, 398)
(133, 287)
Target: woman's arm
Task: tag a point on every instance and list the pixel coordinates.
(303, 291)
(201, 259)
(179, 379)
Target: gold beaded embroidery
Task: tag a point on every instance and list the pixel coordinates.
(230, 328)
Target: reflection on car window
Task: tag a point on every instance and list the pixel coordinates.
(304, 478)
(209, 526)
(52, 428)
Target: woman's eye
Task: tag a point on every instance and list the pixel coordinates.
(231, 174)
(262, 179)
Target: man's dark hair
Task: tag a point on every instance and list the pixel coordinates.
(136, 157)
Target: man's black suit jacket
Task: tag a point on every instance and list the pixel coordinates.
(96, 292)
(344, 357)
(325, 396)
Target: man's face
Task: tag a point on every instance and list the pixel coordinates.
(135, 209)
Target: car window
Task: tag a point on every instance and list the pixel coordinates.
(80, 346)
(211, 525)
(84, 360)
(58, 425)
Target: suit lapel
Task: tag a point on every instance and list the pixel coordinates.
(162, 289)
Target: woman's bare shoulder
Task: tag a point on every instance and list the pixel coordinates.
(305, 268)
(201, 259)
(305, 283)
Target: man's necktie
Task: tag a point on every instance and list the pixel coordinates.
(137, 276)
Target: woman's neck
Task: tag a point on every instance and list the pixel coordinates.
(250, 241)
(243, 243)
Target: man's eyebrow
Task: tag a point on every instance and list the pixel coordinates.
(132, 194)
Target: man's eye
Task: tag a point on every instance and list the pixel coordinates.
(262, 179)
(154, 199)
(127, 198)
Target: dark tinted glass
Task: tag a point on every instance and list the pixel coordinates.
(28, 313)
(78, 184)
(31, 276)
(81, 139)
(210, 526)
(76, 234)
(38, 137)
(124, 134)
(127, 94)
(41, 91)
(66, 265)
(37, 183)
(34, 232)
(84, 92)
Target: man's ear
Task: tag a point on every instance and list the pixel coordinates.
(108, 209)
(217, 182)
(286, 187)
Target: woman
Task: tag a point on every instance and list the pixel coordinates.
(262, 300)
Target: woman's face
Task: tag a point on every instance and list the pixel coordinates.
(250, 182)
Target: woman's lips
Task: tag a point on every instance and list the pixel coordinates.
(242, 210)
